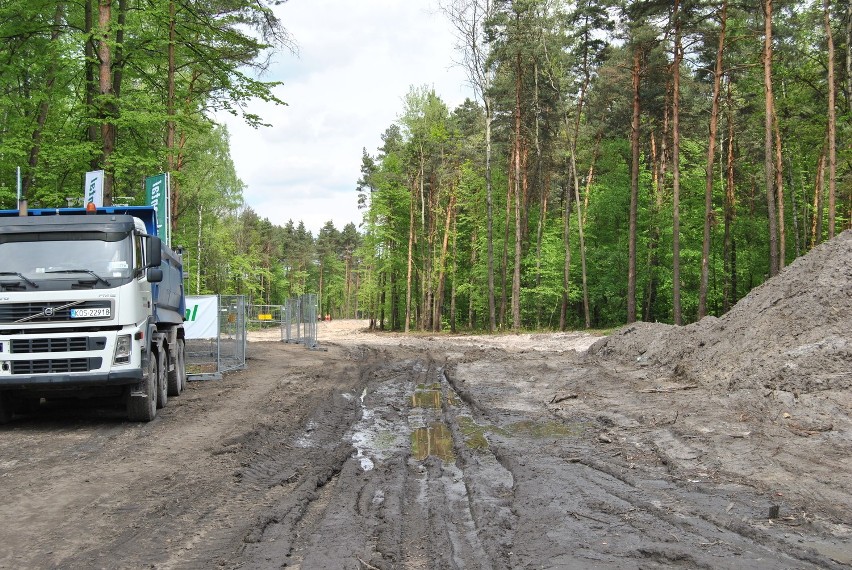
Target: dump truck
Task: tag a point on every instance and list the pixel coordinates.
(91, 306)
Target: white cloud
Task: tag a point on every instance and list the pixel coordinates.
(357, 60)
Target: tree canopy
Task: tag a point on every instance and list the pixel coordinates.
(623, 159)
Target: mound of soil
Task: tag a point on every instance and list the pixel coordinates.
(793, 333)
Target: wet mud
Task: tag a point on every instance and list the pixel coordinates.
(395, 452)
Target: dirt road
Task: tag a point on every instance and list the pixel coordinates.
(387, 451)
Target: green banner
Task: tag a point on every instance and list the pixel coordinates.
(157, 195)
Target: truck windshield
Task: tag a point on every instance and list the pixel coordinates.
(37, 255)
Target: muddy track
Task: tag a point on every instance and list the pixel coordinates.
(411, 454)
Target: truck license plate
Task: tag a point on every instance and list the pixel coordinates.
(89, 313)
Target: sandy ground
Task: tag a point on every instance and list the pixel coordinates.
(725, 444)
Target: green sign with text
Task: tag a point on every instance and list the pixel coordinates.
(157, 195)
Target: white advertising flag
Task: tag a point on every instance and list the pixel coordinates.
(202, 316)
(93, 188)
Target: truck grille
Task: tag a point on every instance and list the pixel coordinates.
(50, 312)
(56, 365)
(72, 344)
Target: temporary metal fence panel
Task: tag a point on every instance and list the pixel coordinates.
(264, 316)
(232, 332)
(209, 358)
(300, 321)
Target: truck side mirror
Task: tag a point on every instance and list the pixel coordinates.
(154, 275)
(153, 252)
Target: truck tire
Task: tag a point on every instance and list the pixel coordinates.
(7, 408)
(177, 377)
(162, 378)
(145, 409)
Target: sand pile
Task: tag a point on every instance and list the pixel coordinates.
(793, 333)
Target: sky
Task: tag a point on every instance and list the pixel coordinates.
(356, 61)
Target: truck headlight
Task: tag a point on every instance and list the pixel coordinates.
(123, 348)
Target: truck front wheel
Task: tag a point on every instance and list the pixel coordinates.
(144, 408)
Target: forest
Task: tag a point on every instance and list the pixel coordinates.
(623, 160)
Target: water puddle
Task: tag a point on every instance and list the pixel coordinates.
(430, 396)
(426, 399)
(306, 439)
(364, 438)
(436, 440)
(538, 430)
(474, 434)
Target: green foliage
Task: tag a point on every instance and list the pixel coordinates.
(559, 90)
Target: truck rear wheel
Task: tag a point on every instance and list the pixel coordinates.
(181, 361)
(177, 377)
(162, 379)
(144, 409)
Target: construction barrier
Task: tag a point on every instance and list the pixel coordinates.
(300, 321)
(215, 329)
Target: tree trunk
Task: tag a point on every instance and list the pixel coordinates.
(453, 282)
(489, 198)
(832, 122)
(319, 292)
(586, 314)
(389, 282)
(779, 186)
(106, 104)
(729, 254)
(170, 113)
(411, 209)
(768, 159)
(347, 285)
(590, 176)
(470, 306)
(676, 304)
(43, 106)
(505, 268)
(543, 193)
(91, 83)
(794, 205)
(118, 53)
(711, 154)
(198, 252)
(581, 215)
(566, 268)
(516, 275)
(654, 231)
(849, 59)
(634, 189)
(816, 229)
(439, 295)
(542, 222)
(428, 298)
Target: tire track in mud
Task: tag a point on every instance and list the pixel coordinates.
(577, 503)
(186, 490)
(441, 502)
(297, 464)
(396, 486)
